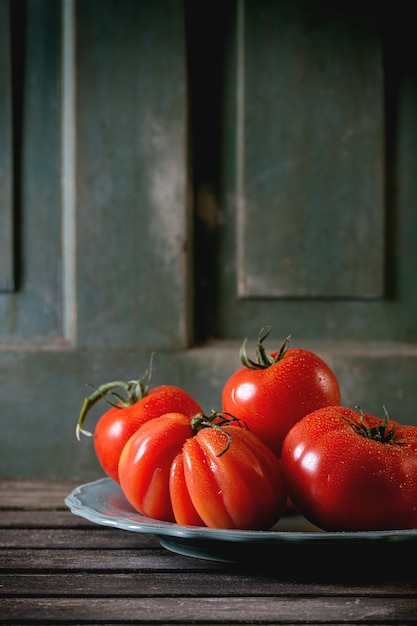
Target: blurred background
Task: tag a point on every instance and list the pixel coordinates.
(174, 175)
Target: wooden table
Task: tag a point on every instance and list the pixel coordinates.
(58, 568)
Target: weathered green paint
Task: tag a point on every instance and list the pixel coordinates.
(391, 317)
(104, 267)
(31, 315)
(310, 146)
(6, 153)
(43, 394)
(133, 239)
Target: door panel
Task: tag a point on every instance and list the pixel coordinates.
(324, 249)
(310, 153)
(133, 236)
(31, 314)
(6, 154)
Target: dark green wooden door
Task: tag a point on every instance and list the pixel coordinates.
(173, 177)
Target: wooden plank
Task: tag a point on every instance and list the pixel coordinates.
(310, 153)
(76, 559)
(35, 494)
(231, 610)
(204, 584)
(42, 519)
(53, 575)
(132, 180)
(97, 537)
(335, 564)
(32, 312)
(7, 279)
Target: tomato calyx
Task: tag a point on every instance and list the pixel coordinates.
(377, 433)
(263, 359)
(135, 390)
(216, 420)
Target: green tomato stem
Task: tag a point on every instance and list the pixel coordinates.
(376, 433)
(201, 421)
(263, 359)
(135, 390)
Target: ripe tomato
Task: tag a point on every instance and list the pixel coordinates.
(346, 470)
(272, 394)
(122, 420)
(202, 471)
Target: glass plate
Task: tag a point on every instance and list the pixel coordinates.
(103, 502)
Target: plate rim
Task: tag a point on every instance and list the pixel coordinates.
(134, 521)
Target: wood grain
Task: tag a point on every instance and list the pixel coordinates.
(56, 570)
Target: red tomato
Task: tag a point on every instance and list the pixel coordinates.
(346, 470)
(120, 422)
(202, 471)
(272, 394)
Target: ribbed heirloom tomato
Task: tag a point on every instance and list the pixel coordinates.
(346, 470)
(272, 393)
(204, 471)
(122, 420)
